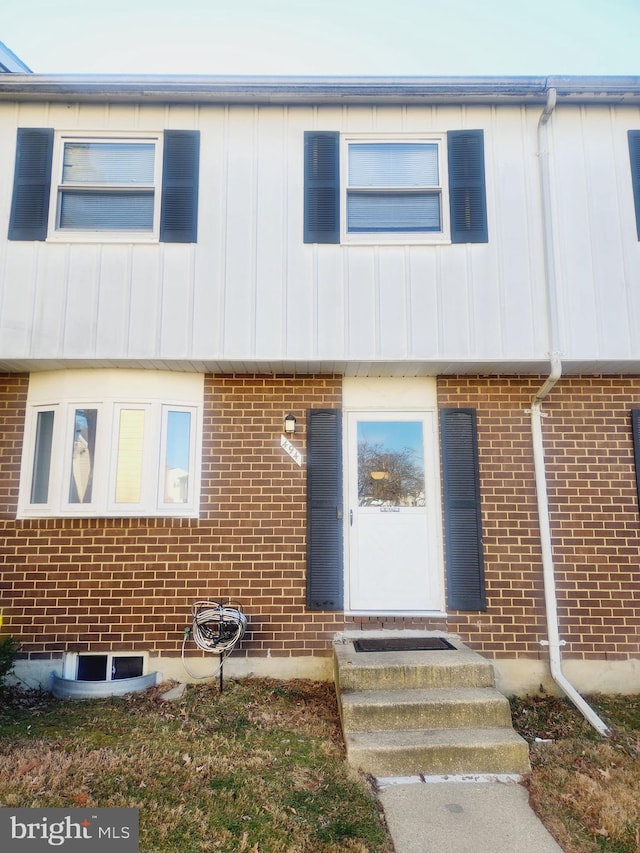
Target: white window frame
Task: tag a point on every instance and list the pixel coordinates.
(72, 659)
(155, 392)
(67, 235)
(443, 236)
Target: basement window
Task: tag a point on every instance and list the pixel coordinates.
(110, 666)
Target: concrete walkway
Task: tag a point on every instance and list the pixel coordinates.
(462, 817)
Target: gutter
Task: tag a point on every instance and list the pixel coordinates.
(304, 90)
(553, 641)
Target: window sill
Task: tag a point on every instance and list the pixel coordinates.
(395, 240)
(101, 237)
(30, 514)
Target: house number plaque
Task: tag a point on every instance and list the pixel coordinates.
(295, 454)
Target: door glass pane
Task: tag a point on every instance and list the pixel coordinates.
(390, 464)
(177, 451)
(42, 458)
(83, 456)
(129, 461)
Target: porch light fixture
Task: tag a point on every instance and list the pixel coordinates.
(289, 424)
(379, 475)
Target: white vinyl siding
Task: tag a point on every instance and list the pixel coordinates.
(251, 295)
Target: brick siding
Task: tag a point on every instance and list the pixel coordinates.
(593, 511)
(125, 584)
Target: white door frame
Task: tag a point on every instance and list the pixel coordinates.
(385, 398)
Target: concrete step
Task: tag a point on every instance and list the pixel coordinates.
(438, 708)
(410, 670)
(438, 752)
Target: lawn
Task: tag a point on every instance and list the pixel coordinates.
(259, 768)
(585, 788)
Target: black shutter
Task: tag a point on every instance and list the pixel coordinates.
(321, 187)
(29, 218)
(462, 518)
(324, 509)
(634, 154)
(635, 429)
(180, 169)
(467, 193)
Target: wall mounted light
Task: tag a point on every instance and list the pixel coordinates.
(289, 424)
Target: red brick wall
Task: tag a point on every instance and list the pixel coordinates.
(594, 517)
(122, 584)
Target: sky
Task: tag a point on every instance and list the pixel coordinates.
(325, 37)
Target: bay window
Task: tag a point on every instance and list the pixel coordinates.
(114, 443)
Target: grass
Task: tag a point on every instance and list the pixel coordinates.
(585, 788)
(259, 768)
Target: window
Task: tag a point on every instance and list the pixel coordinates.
(132, 187)
(394, 188)
(107, 185)
(112, 443)
(109, 666)
(408, 189)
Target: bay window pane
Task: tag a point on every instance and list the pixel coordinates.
(108, 162)
(83, 456)
(177, 452)
(42, 458)
(106, 210)
(393, 164)
(130, 456)
(388, 211)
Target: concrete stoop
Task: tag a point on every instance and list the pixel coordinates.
(424, 712)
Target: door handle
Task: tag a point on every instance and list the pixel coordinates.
(351, 518)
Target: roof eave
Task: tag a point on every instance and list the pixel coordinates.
(316, 90)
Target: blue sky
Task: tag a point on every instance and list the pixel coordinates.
(331, 37)
(393, 436)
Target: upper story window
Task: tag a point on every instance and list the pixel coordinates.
(403, 189)
(112, 443)
(394, 189)
(105, 186)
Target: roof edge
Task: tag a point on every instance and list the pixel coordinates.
(316, 90)
(10, 63)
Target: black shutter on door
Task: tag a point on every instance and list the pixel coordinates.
(462, 518)
(180, 170)
(634, 155)
(321, 187)
(635, 429)
(467, 192)
(324, 510)
(29, 218)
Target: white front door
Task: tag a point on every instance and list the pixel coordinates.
(393, 516)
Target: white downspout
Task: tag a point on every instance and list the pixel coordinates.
(537, 414)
